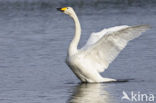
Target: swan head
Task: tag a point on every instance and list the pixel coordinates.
(67, 10)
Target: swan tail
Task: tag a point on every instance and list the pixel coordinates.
(108, 80)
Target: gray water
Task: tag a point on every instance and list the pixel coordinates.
(33, 46)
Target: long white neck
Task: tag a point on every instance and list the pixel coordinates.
(74, 43)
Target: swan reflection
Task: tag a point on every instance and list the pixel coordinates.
(90, 93)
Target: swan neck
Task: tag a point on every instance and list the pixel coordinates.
(74, 43)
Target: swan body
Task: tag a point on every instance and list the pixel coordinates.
(99, 51)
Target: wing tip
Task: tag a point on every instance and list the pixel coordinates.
(144, 26)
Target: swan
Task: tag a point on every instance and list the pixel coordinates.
(99, 51)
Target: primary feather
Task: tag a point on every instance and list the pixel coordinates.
(102, 51)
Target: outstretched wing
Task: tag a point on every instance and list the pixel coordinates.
(102, 52)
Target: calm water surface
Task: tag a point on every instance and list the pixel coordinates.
(33, 45)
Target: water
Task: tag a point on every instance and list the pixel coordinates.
(33, 45)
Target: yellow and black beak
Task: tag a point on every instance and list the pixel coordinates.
(62, 9)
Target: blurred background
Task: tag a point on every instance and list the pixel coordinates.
(34, 39)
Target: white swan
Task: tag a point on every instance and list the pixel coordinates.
(100, 50)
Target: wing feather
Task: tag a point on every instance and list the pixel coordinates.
(105, 50)
(94, 37)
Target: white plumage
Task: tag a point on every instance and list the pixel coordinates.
(100, 50)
